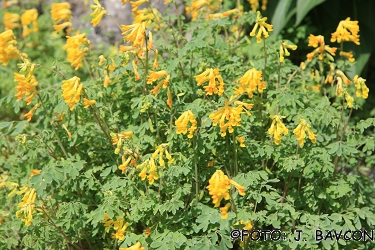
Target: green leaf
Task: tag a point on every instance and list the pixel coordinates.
(304, 6)
(279, 18)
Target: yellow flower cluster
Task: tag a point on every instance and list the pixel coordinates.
(98, 13)
(26, 207)
(25, 87)
(160, 151)
(254, 4)
(27, 18)
(182, 123)
(360, 86)
(300, 132)
(277, 128)
(156, 75)
(149, 167)
(340, 91)
(241, 140)
(218, 187)
(222, 15)
(264, 28)
(119, 226)
(215, 85)
(30, 114)
(136, 4)
(74, 49)
(118, 139)
(202, 6)
(348, 55)
(87, 103)
(230, 114)
(11, 20)
(147, 15)
(284, 50)
(136, 246)
(72, 89)
(224, 211)
(347, 31)
(318, 43)
(62, 15)
(249, 82)
(129, 157)
(8, 49)
(135, 34)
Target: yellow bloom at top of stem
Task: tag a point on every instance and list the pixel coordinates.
(348, 55)
(160, 151)
(215, 81)
(98, 13)
(277, 128)
(182, 123)
(136, 246)
(284, 50)
(224, 211)
(318, 43)
(300, 132)
(87, 102)
(72, 89)
(147, 16)
(347, 31)
(26, 207)
(156, 75)
(264, 28)
(249, 82)
(360, 86)
(148, 166)
(27, 18)
(218, 187)
(76, 51)
(135, 34)
(62, 15)
(136, 4)
(25, 87)
(30, 114)
(8, 49)
(11, 20)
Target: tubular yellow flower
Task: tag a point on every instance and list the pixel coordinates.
(11, 20)
(137, 246)
(331, 74)
(98, 13)
(182, 123)
(120, 229)
(62, 26)
(101, 60)
(67, 131)
(156, 75)
(348, 55)
(277, 128)
(343, 76)
(360, 86)
(284, 50)
(137, 77)
(169, 100)
(30, 114)
(62, 15)
(124, 2)
(155, 65)
(26, 207)
(318, 43)
(25, 88)
(150, 167)
(254, 5)
(150, 42)
(300, 132)
(160, 150)
(347, 31)
(241, 140)
(264, 28)
(136, 4)
(249, 82)
(27, 18)
(74, 49)
(147, 16)
(35, 172)
(8, 49)
(72, 89)
(218, 187)
(135, 34)
(107, 80)
(87, 102)
(216, 83)
(224, 211)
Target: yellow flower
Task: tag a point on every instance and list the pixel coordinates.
(254, 5)
(318, 43)
(182, 123)
(28, 17)
(137, 77)
(30, 114)
(277, 128)
(137, 246)
(67, 131)
(25, 88)
(360, 86)
(98, 13)
(348, 55)
(218, 187)
(331, 74)
(263, 28)
(35, 172)
(124, 2)
(284, 50)
(120, 229)
(343, 76)
(156, 75)
(135, 34)
(347, 31)
(72, 89)
(215, 81)
(249, 82)
(11, 20)
(118, 139)
(169, 100)
(6, 4)
(87, 102)
(161, 149)
(61, 14)
(340, 91)
(8, 49)
(136, 4)
(26, 207)
(75, 51)
(101, 60)
(155, 65)
(241, 140)
(147, 15)
(300, 132)
(150, 167)
(107, 80)
(224, 211)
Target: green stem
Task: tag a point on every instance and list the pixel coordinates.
(196, 170)
(265, 59)
(235, 155)
(229, 158)
(146, 72)
(341, 138)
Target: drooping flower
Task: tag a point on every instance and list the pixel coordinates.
(241, 140)
(284, 50)
(8, 49)
(218, 187)
(62, 15)
(27, 18)
(264, 28)
(136, 4)
(30, 114)
(135, 34)
(98, 13)
(348, 55)
(137, 77)
(120, 228)
(118, 139)
(160, 151)
(72, 90)
(11, 20)
(148, 15)
(25, 88)
(107, 80)
(331, 74)
(360, 86)
(87, 102)
(67, 131)
(76, 49)
(169, 100)
(347, 31)
(215, 81)
(157, 75)
(300, 132)
(224, 211)
(137, 246)
(277, 128)
(35, 172)
(129, 157)
(155, 65)
(343, 76)
(249, 83)
(318, 43)
(26, 207)
(342, 92)
(149, 167)
(182, 123)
